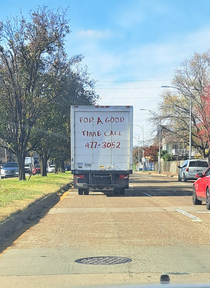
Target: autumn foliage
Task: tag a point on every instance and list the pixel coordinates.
(203, 126)
(151, 153)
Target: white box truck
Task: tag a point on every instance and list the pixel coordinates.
(101, 147)
(29, 164)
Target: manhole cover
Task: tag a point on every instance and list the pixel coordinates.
(103, 260)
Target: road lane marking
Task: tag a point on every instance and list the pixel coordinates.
(147, 194)
(194, 218)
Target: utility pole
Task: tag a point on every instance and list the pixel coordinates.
(159, 126)
(190, 128)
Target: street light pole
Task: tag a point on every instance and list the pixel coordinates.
(138, 154)
(159, 168)
(190, 129)
(159, 156)
(142, 144)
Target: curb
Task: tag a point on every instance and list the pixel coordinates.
(22, 220)
(164, 175)
(157, 174)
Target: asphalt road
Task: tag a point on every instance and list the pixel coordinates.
(154, 225)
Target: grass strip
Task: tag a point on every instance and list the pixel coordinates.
(16, 195)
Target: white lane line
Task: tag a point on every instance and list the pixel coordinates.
(131, 186)
(147, 194)
(194, 218)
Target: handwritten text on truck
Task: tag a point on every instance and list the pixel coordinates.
(98, 133)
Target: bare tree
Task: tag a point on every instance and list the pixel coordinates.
(190, 83)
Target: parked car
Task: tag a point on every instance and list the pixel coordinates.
(190, 168)
(9, 169)
(68, 168)
(36, 169)
(28, 168)
(201, 189)
(51, 168)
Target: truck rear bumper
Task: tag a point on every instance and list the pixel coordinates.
(100, 181)
(96, 186)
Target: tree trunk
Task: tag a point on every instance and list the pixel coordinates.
(62, 166)
(21, 166)
(43, 163)
(56, 166)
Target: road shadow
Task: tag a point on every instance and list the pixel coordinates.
(154, 181)
(145, 191)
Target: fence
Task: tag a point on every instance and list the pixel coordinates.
(169, 166)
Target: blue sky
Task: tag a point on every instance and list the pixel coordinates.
(132, 47)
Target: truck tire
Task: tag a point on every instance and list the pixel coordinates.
(116, 191)
(80, 191)
(194, 197)
(86, 191)
(122, 191)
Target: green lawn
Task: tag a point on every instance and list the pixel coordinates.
(16, 195)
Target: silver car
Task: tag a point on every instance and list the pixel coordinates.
(51, 168)
(190, 168)
(9, 169)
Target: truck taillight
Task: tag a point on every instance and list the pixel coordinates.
(79, 176)
(187, 169)
(123, 176)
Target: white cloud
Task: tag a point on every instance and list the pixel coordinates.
(155, 58)
(135, 12)
(93, 34)
(148, 61)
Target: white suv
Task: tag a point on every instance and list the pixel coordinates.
(190, 168)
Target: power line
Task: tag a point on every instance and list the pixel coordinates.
(126, 88)
(136, 81)
(140, 97)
